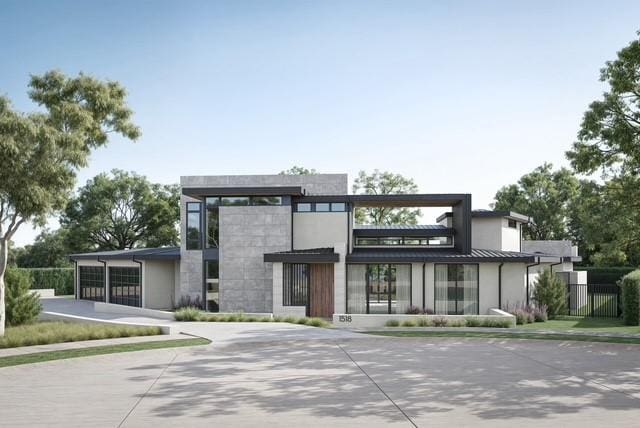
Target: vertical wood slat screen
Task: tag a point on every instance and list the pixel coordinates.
(295, 284)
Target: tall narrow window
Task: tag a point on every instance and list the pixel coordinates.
(194, 236)
(213, 219)
(213, 286)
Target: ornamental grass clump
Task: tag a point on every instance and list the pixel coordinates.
(424, 322)
(440, 322)
(409, 323)
(187, 314)
(392, 323)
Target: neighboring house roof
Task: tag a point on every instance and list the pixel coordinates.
(399, 256)
(163, 253)
(553, 248)
(512, 215)
(310, 255)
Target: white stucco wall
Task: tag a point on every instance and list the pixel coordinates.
(510, 236)
(159, 284)
(486, 233)
(318, 230)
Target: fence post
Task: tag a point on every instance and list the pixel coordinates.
(593, 302)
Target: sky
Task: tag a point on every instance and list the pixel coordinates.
(461, 96)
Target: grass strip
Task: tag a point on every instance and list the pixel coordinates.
(494, 335)
(98, 350)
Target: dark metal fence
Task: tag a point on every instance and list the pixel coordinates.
(594, 300)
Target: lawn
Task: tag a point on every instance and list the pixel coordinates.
(45, 333)
(498, 335)
(98, 350)
(591, 325)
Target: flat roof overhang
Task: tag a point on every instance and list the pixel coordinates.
(313, 255)
(445, 231)
(169, 253)
(438, 256)
(395, 200)
(201, 192)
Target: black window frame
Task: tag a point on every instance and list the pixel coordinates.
(90, 280)
(125, 278)
(194, 243)
(330, 207)
(512, 224)
(295, 284)
(225, 199)
(457, 265)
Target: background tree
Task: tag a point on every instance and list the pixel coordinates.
(298, 170)
(385, 183)
(545, 195)
(41, 152)
(609, 142)
(121, 211)
(48, 250)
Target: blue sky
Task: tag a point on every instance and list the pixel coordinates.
(463, 96)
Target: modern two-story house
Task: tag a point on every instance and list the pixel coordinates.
(288, 245)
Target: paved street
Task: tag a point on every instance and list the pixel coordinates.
(342, 381)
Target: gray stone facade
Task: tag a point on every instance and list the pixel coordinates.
(317, 184)
(246, 233)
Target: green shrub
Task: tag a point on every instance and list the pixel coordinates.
(408, 323)
(317, 322)
(552, 292)
(473, 322)
(496, 323)
(424, 322)
(456, 323)
(392, 323)
(60, 279)
(631, 298)
(278, 319)
(21, 304)
(289, 319)
(605, 275)
(302, 321)
(187, 314)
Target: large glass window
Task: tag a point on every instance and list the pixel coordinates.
(295, 290)
(213, 286)
(124, 286)
(456, 289)
(213, 227)
(91, 281)
(235, 201)
(266, 200)
(378, 288)
(194, 238)
(436, 241)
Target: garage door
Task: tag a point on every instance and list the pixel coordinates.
(124, 286)
(91, 280)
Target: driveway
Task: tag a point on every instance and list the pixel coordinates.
(258, 378)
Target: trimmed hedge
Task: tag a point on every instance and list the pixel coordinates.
(60, 279)
(631, 298)
(605, 275)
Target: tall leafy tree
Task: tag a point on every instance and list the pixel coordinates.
(298, 170)
(122, 211)
(385, 183)
(609, 142)
(48, 250)
(546, 196)
(40, 152)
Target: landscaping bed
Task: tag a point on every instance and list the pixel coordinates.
(194, 314)
(45, 333)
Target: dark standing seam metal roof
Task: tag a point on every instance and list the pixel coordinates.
(476, 255)
(309, 255)
(163, 253)
(422, 230)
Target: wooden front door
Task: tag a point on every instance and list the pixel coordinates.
(321, 290)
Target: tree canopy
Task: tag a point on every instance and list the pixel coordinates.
(40, 152)
(298, 170)
(385, 183)
(48, 250)
(545, 195)
(122, 211)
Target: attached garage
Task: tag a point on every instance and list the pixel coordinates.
(144, 278)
